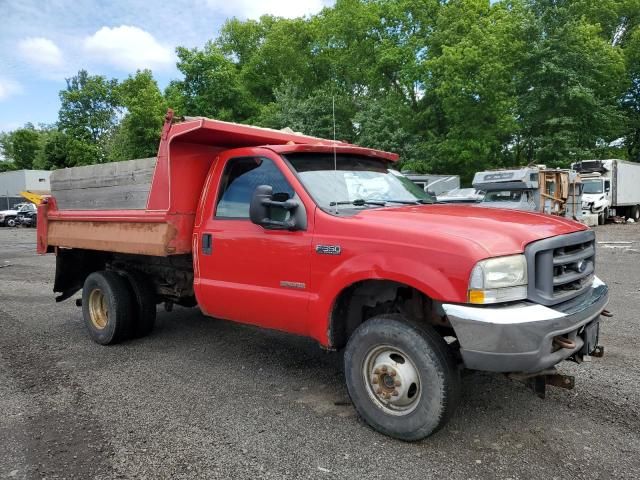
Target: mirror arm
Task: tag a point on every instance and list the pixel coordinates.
(287, 205)
(277, 225)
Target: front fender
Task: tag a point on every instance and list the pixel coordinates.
(424, 278)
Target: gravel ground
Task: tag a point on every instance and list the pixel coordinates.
(202, 398)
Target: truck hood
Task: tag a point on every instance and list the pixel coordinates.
(498, 231)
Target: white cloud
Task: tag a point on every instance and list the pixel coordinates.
(41, 51)
(279, 8)
(128, 48)
(8, 88)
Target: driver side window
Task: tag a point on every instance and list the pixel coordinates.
(240, 178)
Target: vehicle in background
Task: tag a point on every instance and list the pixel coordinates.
(461, 195)
(27, 218)
(434, 185)
(534, 189)
(611, 187)
(326, 240)
(10, 218)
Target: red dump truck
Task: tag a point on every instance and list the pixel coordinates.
(327, 240)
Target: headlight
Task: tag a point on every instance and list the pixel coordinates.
(501, 279)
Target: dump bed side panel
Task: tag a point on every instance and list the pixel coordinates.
(108, 186)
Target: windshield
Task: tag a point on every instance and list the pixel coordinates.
(592, 186)
(503, 196)
(358, 181)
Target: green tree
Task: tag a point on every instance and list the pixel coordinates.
(21, 146)
(88, 115)
(569, 90)
(138, 133)
(211, 86)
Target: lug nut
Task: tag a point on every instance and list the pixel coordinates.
(377, 371)
(375, 380)
(384, 369)
(393, 373)
(395, 393)
(397, 383)
(378, 390)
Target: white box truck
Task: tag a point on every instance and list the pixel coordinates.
(610, 187)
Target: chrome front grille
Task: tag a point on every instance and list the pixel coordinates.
(560, 268)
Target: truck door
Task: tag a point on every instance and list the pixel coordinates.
(245, 272)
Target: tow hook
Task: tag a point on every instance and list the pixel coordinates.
(606, 313)
(538, 381)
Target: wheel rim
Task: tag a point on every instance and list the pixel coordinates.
(11, 222)
(392, 380)
(98, 310)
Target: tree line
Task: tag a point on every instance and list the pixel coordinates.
(453, 86)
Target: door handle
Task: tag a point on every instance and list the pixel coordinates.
(207, 243)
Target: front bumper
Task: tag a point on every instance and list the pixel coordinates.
(519, 337)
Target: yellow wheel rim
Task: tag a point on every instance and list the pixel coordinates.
(98, 309)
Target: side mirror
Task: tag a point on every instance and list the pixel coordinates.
(607, 186)
(264, 204)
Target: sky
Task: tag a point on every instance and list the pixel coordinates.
(42, 42)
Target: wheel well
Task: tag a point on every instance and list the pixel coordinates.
(366, 299)
(171, 277)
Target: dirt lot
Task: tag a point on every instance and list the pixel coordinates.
(202, 398)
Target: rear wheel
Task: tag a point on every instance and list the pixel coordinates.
(635, 213)
(107, 307)
(144, 296)
(401, 377)
(601, 218)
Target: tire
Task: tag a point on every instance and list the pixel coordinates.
(107, 307)
(635, 213)
(601, 218)
(144, 296)
(421, 374)
(10, 222)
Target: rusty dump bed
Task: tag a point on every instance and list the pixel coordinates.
(148, 206)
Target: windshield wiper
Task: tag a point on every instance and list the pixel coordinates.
(417, 201)
(359, 202)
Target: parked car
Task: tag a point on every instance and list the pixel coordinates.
(11, 218)
(27, 218)
(8, 218)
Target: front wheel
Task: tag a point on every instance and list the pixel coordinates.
(10, 222)
(401, 377)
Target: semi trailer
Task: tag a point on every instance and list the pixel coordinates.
(611, 187)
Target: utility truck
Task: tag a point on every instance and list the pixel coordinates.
(326, 240)
(535, 189)
(611, 187)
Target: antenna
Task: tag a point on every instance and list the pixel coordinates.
(335, 155)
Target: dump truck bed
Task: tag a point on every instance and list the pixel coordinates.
(148, 206)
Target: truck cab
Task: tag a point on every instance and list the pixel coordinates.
(326, 240)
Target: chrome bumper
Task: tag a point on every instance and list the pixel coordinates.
(519, 337)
